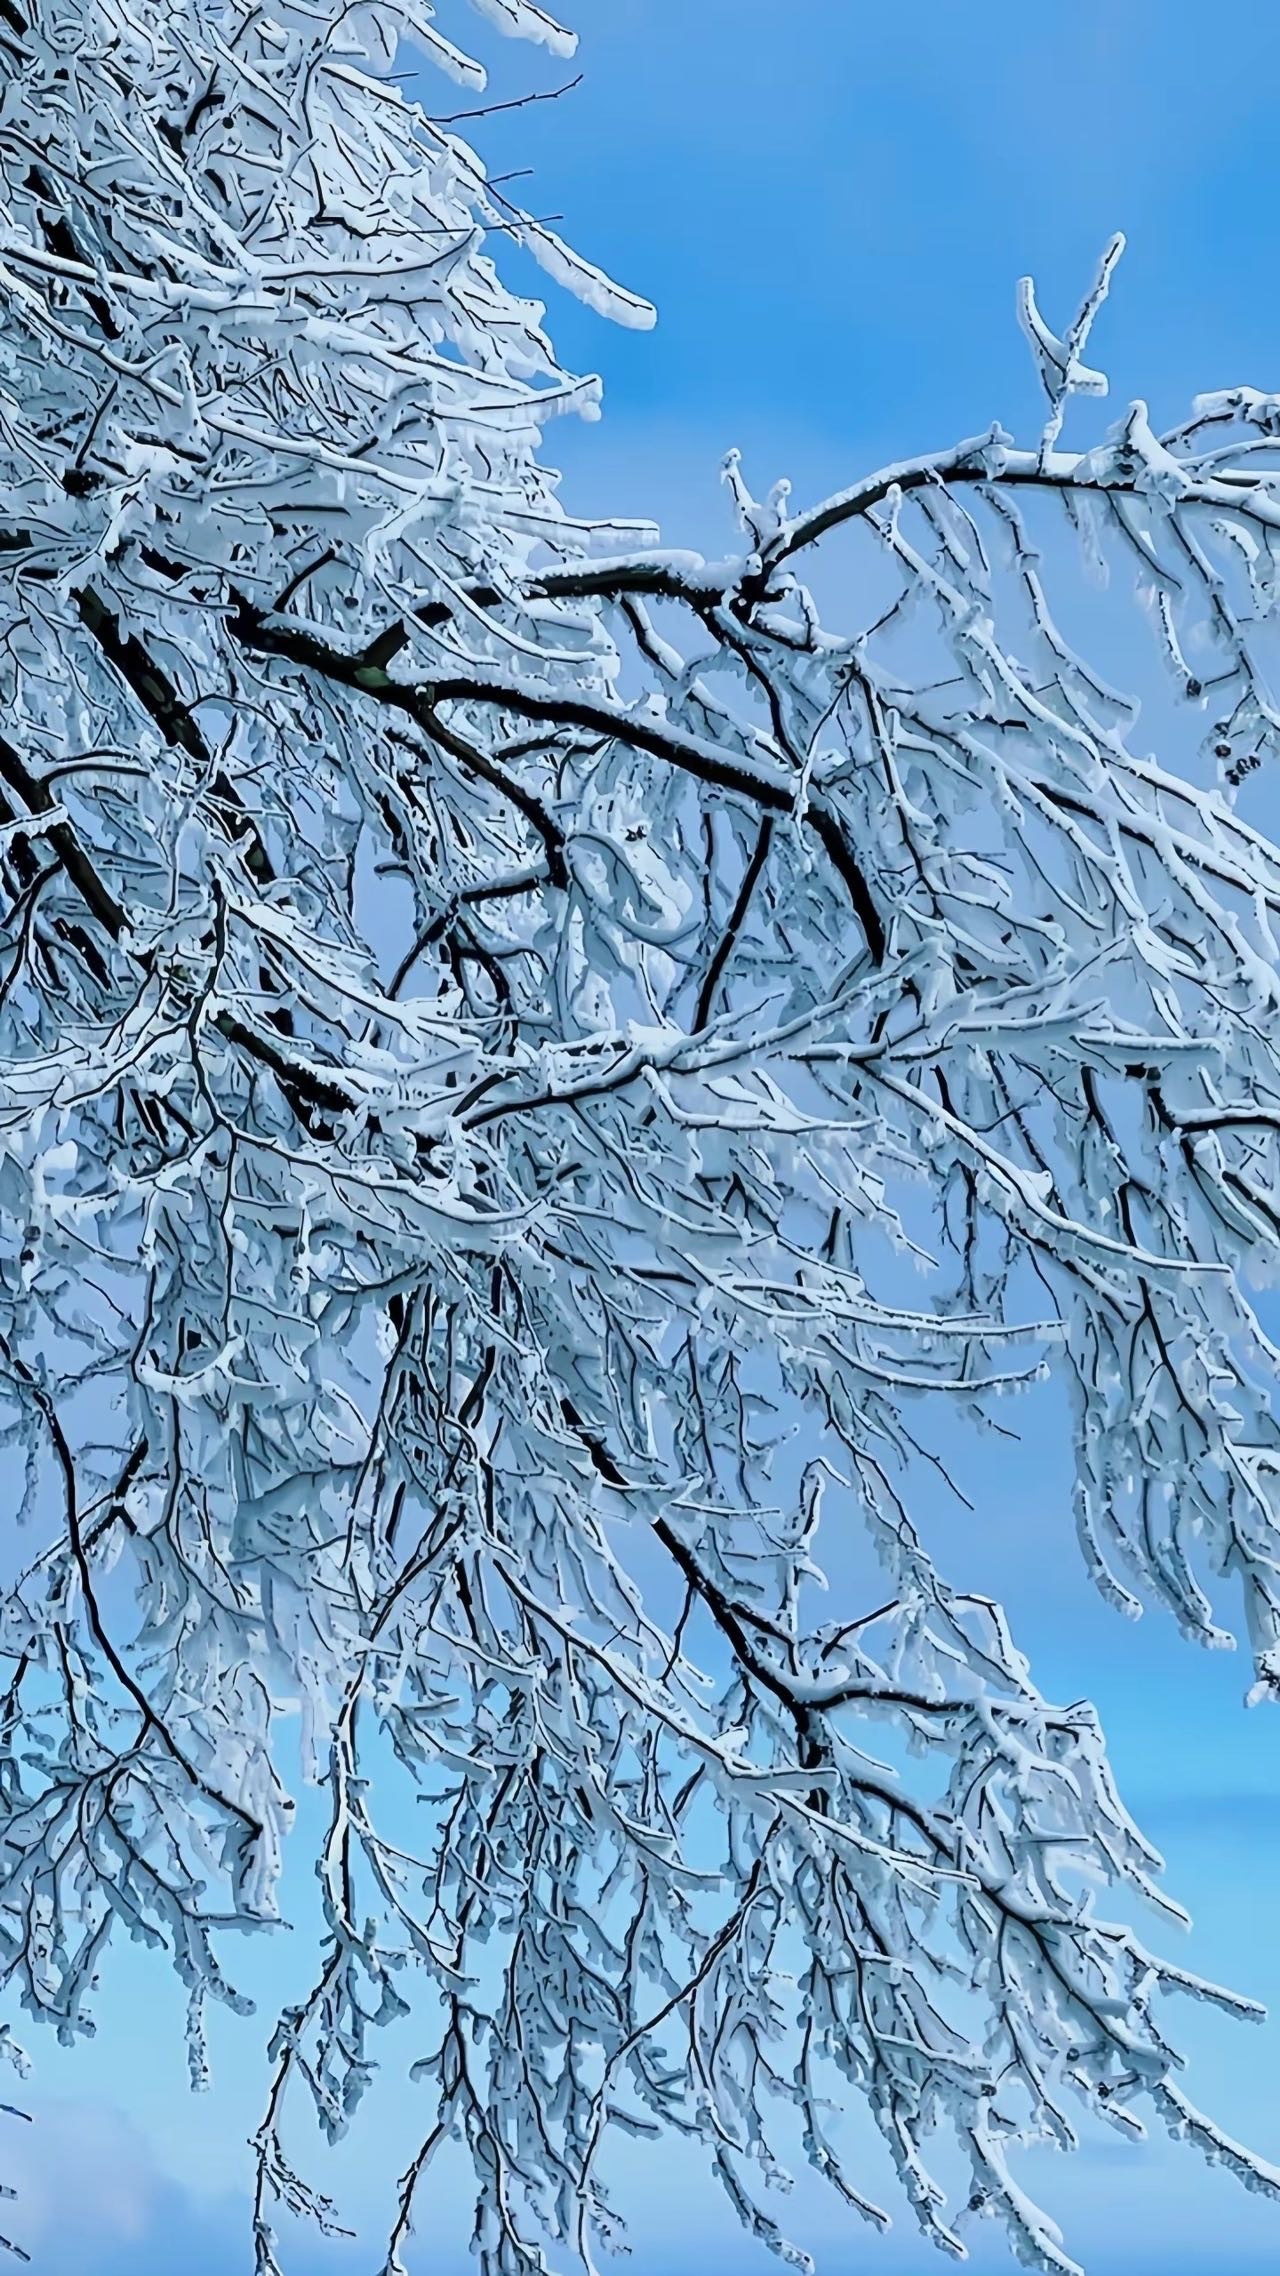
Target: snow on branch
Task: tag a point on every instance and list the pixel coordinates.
(541, 1083)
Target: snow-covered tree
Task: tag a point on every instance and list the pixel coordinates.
(538, 1083)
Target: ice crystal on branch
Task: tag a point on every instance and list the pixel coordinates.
(490, 1013)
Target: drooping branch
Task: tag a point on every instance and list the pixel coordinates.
(758, 776)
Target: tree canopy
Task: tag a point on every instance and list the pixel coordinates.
(539, 1079)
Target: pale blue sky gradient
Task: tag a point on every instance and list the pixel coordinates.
(831, 203)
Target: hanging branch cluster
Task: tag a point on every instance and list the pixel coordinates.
(536, 1079)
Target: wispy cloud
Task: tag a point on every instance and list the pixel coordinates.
(89, 2200)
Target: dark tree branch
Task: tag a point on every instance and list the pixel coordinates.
(763, 783)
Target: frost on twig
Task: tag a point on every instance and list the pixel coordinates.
(539, 1081)
(1063, 372)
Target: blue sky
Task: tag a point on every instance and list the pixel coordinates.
(831, 204)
